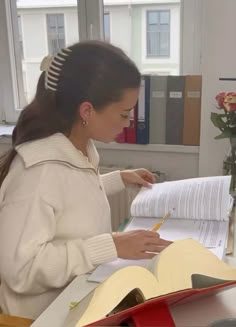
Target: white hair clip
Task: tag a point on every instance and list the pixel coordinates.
(52, 66)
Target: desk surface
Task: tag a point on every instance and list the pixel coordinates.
(197, 313)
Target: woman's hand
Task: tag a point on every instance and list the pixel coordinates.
(138, 244)
(138, 177)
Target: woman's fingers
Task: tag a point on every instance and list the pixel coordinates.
(139, 244)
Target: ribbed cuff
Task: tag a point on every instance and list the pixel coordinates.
(112, 182)
(101, 249)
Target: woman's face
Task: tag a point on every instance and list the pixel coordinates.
(106, 124)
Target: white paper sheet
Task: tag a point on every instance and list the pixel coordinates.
(210, 233)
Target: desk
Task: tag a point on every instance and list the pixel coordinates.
(198, 313)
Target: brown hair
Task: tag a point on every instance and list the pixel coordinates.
(94, 71)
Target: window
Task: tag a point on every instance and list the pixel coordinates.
(107, 27)
(56, 32)
(158, 33)
(147, 31)
(20, 36)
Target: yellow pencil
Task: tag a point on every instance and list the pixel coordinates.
(163, 219)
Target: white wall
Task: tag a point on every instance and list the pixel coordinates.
(120, 27)
(71, 26)
(176, 165)
(218, 60)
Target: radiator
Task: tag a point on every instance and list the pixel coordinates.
(120, 202)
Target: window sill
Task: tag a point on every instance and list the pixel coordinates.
(148, 147)
(5, 133)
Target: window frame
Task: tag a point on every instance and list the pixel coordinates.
(11, 89)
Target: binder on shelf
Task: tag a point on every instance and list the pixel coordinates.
(157, 120)
(175, 109)
(143, 111)
(131, 130)
(192, 110)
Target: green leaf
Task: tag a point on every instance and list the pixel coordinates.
(73, 305)
(218, 121)
(226, 134)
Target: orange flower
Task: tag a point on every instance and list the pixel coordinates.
(226, 120)
(229, 101)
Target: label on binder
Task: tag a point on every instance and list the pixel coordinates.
(176, 95)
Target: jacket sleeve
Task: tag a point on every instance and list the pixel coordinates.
(31, 260)
(112, 182)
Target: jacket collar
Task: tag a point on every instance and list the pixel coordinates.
(57, 147)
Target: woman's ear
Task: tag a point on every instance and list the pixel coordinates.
(85, 111)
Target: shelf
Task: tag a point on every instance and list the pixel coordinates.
(148, 147)
(131, 147)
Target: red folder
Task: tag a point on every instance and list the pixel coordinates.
(155, 312)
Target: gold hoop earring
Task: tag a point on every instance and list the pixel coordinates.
(85, 123)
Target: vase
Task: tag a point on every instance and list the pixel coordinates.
(229, 164)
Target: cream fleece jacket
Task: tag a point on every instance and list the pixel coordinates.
(55, 222)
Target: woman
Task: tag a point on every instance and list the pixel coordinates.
(54, 215)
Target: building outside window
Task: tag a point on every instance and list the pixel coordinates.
(56, 32)
(158, 33)
(107, 26)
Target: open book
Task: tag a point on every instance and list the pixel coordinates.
(182, 270)
(202, 207)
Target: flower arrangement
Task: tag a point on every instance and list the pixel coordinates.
(225, 120)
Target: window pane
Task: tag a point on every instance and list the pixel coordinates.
(153, 17)
(165, 17)
(107, 27)
(158, 42)
(148, 31)
(20, 36)
(164, 44)
(55, 32)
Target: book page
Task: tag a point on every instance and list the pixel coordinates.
(106, 269)
(204, 198)
(211, 233)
